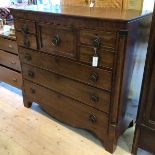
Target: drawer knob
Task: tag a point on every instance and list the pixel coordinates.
(94, 77)
(28, 57)
(32, 90)
(30, 74)
(13, 62)
(94, 98)
(96, 42)
(92, 118)
(10, 46)
(56, 40)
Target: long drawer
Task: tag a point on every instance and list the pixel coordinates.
(81, 92)
(87, 74)
(11, 77)
(8, 45)
(10, 60)
(66, 109)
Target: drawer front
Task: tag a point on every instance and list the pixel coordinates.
(8, 45)
(106, 58)
(59, 41)
(26, 40)
(103, 38)
(89, 75)
(10, 60)
(25, 26)
(67, 110)
(11, 77)
(84, 93)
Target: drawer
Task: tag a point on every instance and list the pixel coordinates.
(10, 60)
(25, 26)
(57, 40)
(11, 77)
(26, 40)
(103, 38)
(89, 95)
(67, 110)
(106, 58)
(87, 74)
(8, 45)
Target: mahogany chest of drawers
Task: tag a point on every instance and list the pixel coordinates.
(58, 53)
(10, 69)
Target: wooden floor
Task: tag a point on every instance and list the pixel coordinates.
(32, 132)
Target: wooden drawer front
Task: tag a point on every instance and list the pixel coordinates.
(8, 45)
(26, 40)
(84, 93)
(66, 109)
(10, 60)
(93, 76)
(25, 26)
(105, 39)
(106, 58)
(11, 77)
(59, 41)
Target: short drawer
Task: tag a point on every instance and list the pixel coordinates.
(25, 26)
(106, 58)
(66, 109)
(89, 95)
(10, 60)
(26, 40)
(8, 45)
(11, 77)
(103, 38)
(84, 73)
(58, 40)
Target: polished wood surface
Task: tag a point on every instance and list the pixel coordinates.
(145, 127)
(10, 68)
(69, 68)
(79, 11)
(113, 40)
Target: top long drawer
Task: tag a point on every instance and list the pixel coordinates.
(87, 74)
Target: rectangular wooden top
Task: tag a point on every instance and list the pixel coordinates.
(85, 12)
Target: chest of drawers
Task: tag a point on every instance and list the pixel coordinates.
(56, 52)
(10, 69)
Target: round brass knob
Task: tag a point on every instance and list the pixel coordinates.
(30, 74)
(56, 40)
(94, 98)
(93, 118)
(94, 77)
